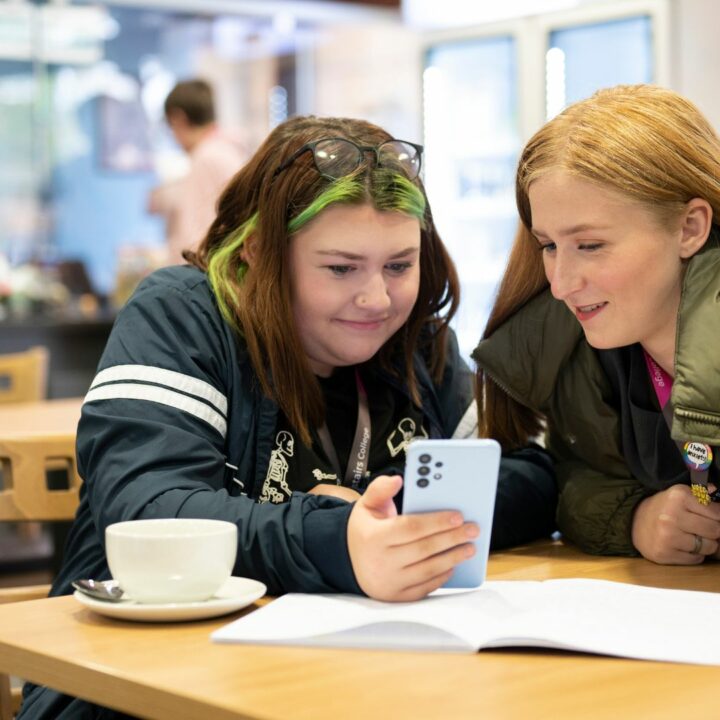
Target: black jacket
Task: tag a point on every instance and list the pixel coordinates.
(542, 359)
(175, 407)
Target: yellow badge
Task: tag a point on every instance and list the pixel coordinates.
(701, 493)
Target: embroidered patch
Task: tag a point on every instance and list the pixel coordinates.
(275, 488)
(321, 476)
(403, 435)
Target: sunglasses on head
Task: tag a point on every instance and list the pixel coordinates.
(335, 157)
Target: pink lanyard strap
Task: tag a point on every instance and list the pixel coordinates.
(662, 382)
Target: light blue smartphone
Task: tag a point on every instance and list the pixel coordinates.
(455, 475)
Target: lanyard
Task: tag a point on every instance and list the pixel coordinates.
(697, 455)
(358, 458)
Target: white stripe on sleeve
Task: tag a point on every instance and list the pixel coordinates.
(160, 376)
(153, 393)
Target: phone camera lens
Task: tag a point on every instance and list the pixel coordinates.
(425, 458)
(423, 470)
(423, 482)
(438, 464)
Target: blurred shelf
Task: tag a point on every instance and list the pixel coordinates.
(75, 344)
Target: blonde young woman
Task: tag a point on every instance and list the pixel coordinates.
(606, 325)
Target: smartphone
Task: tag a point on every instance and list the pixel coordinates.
(455, 475)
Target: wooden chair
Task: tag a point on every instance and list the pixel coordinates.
(24, 378)
(23, 375)
(25, 496)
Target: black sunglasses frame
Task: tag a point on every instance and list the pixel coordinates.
(362, 150)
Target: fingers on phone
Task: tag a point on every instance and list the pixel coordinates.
(419, 591)
(431, 545)
(441, 563)
(414, 527)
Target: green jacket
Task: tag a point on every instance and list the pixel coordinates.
(541, 358)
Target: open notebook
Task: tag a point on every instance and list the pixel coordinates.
(594, 616)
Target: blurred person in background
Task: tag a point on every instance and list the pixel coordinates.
(188, 204)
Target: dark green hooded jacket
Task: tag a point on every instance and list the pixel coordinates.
(541, 358)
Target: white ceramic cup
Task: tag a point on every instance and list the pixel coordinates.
(173, 560)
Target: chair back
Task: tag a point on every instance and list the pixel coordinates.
(23, 375)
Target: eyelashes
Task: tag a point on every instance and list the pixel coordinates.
(397, 268)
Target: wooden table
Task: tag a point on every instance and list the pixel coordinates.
(37, 451)
(55, 418)
(174, 671)
(37, 438)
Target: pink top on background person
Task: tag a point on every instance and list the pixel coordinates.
(189, 204)
(192, 199)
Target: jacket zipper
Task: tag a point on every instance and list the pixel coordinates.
(507, 390)
(698, 417)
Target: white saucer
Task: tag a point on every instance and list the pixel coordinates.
(235, 594)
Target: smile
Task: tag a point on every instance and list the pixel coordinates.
(585, 312)
(363, 324)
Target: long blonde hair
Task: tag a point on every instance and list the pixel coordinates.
(648, 143)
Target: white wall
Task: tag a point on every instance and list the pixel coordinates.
(695, 54)
(372, 72)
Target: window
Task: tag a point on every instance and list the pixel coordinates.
(583, 58)
(486, 90)
(473, 138)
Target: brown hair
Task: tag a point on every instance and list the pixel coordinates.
(195, 99)
(648, 143)
(256, 300)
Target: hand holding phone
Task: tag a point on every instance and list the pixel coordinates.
(455, 475)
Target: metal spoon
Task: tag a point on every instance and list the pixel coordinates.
(107, 590)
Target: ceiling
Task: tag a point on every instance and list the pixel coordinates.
(378, 3)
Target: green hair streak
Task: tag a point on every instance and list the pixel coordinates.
(220, 261)
(388, 191)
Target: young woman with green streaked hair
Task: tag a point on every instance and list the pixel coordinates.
(277, 380)
(263, 210)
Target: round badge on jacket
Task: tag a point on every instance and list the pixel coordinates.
(697, 455)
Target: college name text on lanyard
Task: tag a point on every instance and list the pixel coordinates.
(697, 455)
(358, 458)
